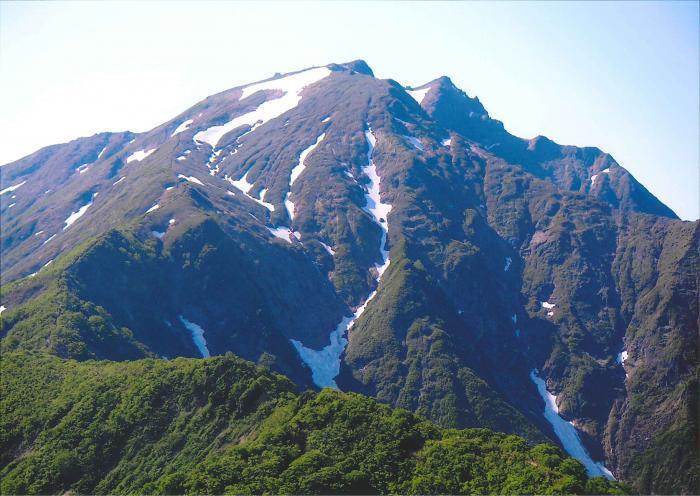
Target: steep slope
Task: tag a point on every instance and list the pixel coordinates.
(347, 232)
(222, 425)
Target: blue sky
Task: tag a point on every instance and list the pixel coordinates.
(620, 76)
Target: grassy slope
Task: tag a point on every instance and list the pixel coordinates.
(225, 425)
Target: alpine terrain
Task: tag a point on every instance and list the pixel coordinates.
(472, 299)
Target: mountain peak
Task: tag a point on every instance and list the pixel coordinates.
(359, 66)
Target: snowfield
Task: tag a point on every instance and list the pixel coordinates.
(290, 86)
(191, 179)
(325, 363)
(12, 188)
(284, 233)
(74, 216)
(139, 155)
(418, 95)
(415, 142)
(296, 172)
(197, 336)
(182, 127)
(566, 432)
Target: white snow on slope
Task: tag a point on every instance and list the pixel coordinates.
(566, 432)
(2, 308)
(244, 186)
(418, 95)
(326, 119)
(595, 176)
(197, 336)
(39, 233)
(182, 127)
(284, 233)
(191, 179)
(49, 239)
(261, 200)
(291, 88)
(75, 216)
(621, 357)
(12, 188)
(446, 142)
(325, 363)
(548, 305)
(296, 172)
(154, 207)
(415, 142)
(330, 250)
(11, 205)
(118, 181)
(101, 152)
(139, 155)
(508, 262)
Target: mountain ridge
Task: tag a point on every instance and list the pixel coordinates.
(502, 255)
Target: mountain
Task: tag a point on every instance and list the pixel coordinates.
(349, 232)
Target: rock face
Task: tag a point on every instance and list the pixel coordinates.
(250, 215)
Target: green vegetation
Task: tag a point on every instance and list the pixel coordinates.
(224, 425)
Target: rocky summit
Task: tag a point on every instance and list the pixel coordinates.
(351, 233)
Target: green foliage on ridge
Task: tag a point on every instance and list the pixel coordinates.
(223, 425)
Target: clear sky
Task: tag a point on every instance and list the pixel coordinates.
(620, 76)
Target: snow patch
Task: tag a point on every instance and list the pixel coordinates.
(242, 184)
(182, 127)
(101, 152)
(2, 308)
(621, 357)
(11, 205)
(158, 234)
(191, 179)
(261, 200)
(284, 233)
(415, 142)
(566, 432)
(330, 250)
(296, 172)
(299, 168)
(291, 88)
(118, 181)
(38, 233)
(446, 142)
(50, 238)
(197, 336)
(418, 95)
(139, 155)
(12, 188)
(548, 305)
(154, 207)
(326, 119)
(74, 216)
(507, 265)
